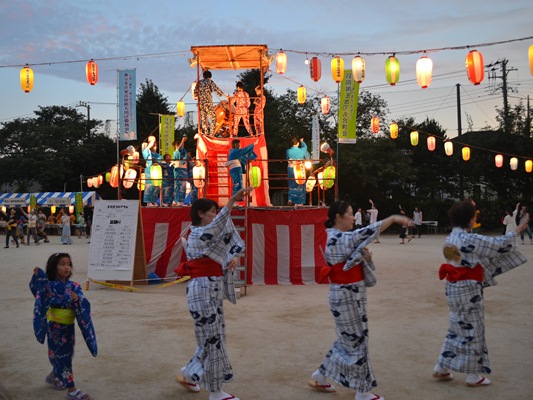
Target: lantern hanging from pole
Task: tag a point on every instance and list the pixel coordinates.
(156, 175)
(394, 130)
(466, 153)
(431, 143)
(113, 180)
(193, 90)
(281, 62)
(528, 166)
(328, 179)
(358, 69)
(180, 108)
(254, 177)
(26, 79)
(414, 138)
(325, 104)
(498, 160)
(299, 172)
(337, 69)
(474, 67)
(302, 94)
(448, 148)
(374, 124)
(315, 69)
(530, 54)
(140, 182)
(310, 184)
(198, 175)
(424, 70)
(513, 163)
(392, 70)
(129, 178)
(91, 72)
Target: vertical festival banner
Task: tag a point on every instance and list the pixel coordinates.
(33, 202)
(78, 204)
(166, 134)
(315, 135)
(127, 102)
(348, 99)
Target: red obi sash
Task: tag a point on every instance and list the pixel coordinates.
(454, 274)
(199, 267)
(336, 274)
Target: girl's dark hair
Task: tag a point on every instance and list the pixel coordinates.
(202, 205)
(207, 74)
(240, 85)
(51, 265)
(339, 207)
(461, 213)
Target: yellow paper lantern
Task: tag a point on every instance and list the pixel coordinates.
(4, 209)
(325, 104)
(254, 177)
(475, 67)
(53, 209)
(394, 130)
(466, 153)
(180, 108)
(424, 70)
(281, 62)
(414, 138)
(140, 182)
(392, 70)
(358, 69)
(198, 175)
(91, 72)
(528, 166)
(513, 163)
(337, 69)
(498, 160)
(302, 94)
(431, 143)
(530, 54)
(448, 148)
(374, 123)
(26, 79)
(156, 175)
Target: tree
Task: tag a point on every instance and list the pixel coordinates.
(518, 122)
(150, 103)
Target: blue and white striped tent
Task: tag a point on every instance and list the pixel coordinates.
(47, 198)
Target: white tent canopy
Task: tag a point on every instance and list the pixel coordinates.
(47, 198)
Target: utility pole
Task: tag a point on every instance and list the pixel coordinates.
(88, 107)
(459, 133)
(504, 88)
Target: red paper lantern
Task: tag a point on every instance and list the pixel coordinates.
(281, 62)
(424, 70)
(474, 67)
(315, 69)
(91, 71)
(375, 124)
(431, 143)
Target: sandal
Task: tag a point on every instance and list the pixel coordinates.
(77, 395)
(55, 382)
(442, 377)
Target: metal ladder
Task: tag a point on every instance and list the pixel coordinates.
(241, 272)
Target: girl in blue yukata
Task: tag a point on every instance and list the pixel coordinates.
(149, 152)
(58, 303)
(181, 172)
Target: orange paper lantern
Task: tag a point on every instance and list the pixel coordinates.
(475, 68)
(394, 130)
(374, 123)
(528, 166)
(281, 62)
(466, 153)
(91, 72)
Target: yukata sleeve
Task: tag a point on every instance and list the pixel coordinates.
(40, 288)
(82, 309)
(357, 240)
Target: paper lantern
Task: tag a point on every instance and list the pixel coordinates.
(530, 54)
(129, 178)
(70, 209)
(448, 148)
(328, 179)
(528, 166)
(315, 69)
(96, 183)
(374, 124)
(358, 69)
(113, 180)
(325, 104)
(431, 143)
(281, 62)
(475, 68)
(89, 182)
(26, 79)
(135, 157)
(156, 175)
(394, 130)
(466, 153)
(299, 172)
(424, 70)
(498, 160)
(180, 108)
(337, 69)
(308, 164)
(100, 179)
(91, 72)
(193, 91)
(392, 70)
(254, 176)
(513, 163)
(198, 175)
(53, 209)
(302, 94)
(140, 182)
(310, 184)
(107, 176)
(414, 138)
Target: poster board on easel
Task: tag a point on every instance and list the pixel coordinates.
(117, 242)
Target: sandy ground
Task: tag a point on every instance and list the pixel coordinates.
(277, 335)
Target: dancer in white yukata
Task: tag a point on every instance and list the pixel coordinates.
(472, 262)
(350, 272)
(213, 245)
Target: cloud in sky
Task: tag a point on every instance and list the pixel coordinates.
(51, 31)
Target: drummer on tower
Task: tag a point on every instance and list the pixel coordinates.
(203, 90)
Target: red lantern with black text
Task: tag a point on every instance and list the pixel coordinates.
(91, 71)
(281, 62)
(358, 69)
(424, 70)
(392, 70)
(394, 130)
(475, 68)
(375, 124)
(337, 69)
(26, 79)
(315, 69)
(431, 143)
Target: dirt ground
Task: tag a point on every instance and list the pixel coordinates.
(277, 335)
